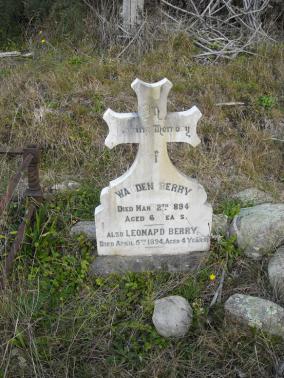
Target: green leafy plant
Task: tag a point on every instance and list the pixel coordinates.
(133, 341)
(59, 263)
(98, 104)
(230, 208)
(75, 60)
(267, 102)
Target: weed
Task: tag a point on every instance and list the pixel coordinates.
(59, 274)
(132, 343)
(267, 102)
(228, 247)
(230, 208)
(98, 104)
(75, 60)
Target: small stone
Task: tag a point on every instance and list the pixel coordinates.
(84, 227)
(280, 369)
(65, 185)
(172, 316)
(253, 196)
(219, 224)
(256, 312)
(259, 229)
(276, 273)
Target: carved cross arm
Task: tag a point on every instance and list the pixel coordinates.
(181, 126)
(122, 128)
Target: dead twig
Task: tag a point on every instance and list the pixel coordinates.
(220, 28)
(232, 103)
(132, 40)
(218, 292)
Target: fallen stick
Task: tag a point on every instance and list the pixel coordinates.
(273, 138)
(132, 40)
(218, 292)
(230, 103)
(12, 54)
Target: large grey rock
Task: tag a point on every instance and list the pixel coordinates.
(253, 196)
(259, 229)
(276, 273)
(84, 227)
(172, 316)
(256, 312)
(219, 224)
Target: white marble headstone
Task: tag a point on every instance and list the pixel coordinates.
(152, 209)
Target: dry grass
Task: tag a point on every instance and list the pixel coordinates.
(58, 100)
(57, 322)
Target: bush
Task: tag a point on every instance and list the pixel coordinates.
(11, 20)
(17, 15)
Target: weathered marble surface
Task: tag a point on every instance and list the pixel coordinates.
(256, 312)
(220, 226)
(259, 229)
(153, 209)
(172, 316)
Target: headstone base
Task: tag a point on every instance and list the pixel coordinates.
(189, 262)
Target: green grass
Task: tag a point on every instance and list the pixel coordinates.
(57, 320)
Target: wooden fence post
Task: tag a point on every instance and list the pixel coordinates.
(132, 12)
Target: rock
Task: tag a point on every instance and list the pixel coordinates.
(172, 316)
(84, 227)
(259, 229)
(219, 224)
(65, 185)
(256, 312)
(276, 273)
(253, 196)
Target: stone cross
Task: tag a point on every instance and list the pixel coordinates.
(152, 128)
(153, 207)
